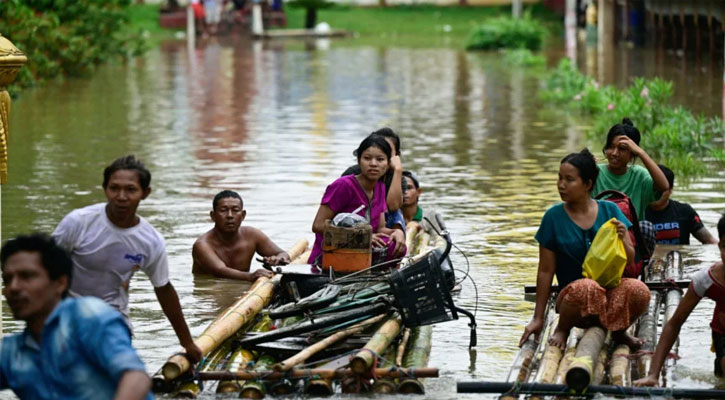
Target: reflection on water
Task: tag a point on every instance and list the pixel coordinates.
(278, 121)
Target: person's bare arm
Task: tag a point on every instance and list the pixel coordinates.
(133, 385)
(169, 301)
(544, 277)
(270, 252)
(207, 259)
(669, 334)
(323, 214)
(394, 198)
(658, 177)
(704, 236)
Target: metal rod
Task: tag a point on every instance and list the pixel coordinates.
(591, 391)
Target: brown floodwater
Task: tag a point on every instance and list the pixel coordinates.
(277, 121)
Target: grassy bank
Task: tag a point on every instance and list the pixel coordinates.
(420, 25)
(415, 25)
(144, 18)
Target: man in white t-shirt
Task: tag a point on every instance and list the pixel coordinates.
(108, 242)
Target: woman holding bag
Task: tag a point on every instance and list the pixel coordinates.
(565, 235)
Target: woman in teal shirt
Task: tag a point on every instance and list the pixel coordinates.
(565, 234)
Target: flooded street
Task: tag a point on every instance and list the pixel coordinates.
(278, 121)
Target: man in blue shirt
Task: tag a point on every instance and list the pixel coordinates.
(77, 348)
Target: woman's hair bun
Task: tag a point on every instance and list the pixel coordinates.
(627, 121)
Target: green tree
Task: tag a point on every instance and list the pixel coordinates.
(66, 37)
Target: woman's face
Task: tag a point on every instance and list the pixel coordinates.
(570, 184)
(373, 163)
(618, 154)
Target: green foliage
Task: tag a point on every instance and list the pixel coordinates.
(672, 135)
(507, 33)
(523, 58)
(66, 37)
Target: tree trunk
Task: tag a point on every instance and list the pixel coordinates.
(311, 18)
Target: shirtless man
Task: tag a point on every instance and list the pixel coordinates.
(226, 250)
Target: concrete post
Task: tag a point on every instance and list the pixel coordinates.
(190, 28)
(257, 27)
(570, 26)
(605, 21)
(11, 60)
(516, 8)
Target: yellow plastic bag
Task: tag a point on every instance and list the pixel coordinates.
(606, 258)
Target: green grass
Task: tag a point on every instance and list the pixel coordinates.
(415, 26)
(420, 25)
(144, 18)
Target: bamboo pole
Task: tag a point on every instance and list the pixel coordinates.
(305, 354)
(298, 373)
(282, 387)
(386, 385)
(255, 388)
(241, 358)
(226, 323)
(421, 242)
(191, 389)
(580, 372)
(549, 363)
(647, 330)
(238, 361)
(521, 368)
(302, 259)
(619, 367)
(600, 367)
(297, 249)
(401, 347)
(420, 343)
(571, 342)
(363, 361)
(319, 387)
(411, 232)
(673, 270)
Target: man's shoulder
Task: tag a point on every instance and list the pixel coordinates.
(88, 212)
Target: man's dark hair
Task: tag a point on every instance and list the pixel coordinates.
(129, 162)
(412, 177)
(721, 227)
(668, 174)
(225, 194)
(54, 259)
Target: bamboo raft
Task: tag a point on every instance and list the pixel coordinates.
(591, 359)
(375, 353)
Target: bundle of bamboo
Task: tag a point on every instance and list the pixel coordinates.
(590, 358)
(400, 368)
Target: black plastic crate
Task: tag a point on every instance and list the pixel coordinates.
(421, 293)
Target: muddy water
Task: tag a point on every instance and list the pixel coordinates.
(278, 121)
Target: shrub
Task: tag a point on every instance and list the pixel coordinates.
(508, 33)
(523, 58)
(66, 36)
(672, 135)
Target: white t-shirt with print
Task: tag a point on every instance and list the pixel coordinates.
(106, 256)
